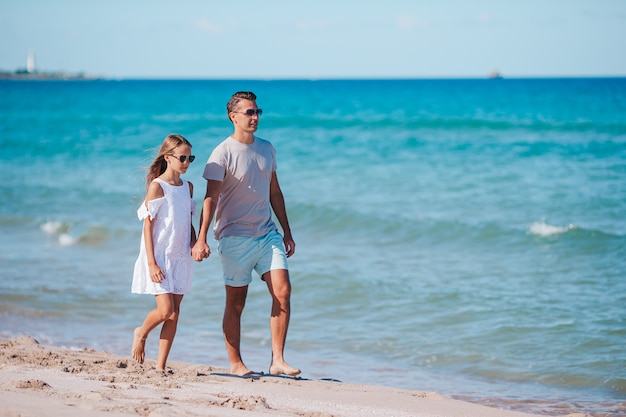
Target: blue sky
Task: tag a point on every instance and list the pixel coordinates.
(275, 39)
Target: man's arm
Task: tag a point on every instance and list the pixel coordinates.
(278, 205)
(201, 249)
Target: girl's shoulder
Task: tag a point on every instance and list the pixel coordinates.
(155, 190)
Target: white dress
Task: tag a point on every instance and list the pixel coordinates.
(172, 238)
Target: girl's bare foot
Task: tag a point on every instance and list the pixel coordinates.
(139, 344)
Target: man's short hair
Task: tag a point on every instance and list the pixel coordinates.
(237, 97)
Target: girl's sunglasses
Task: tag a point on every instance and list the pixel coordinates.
(183, 158)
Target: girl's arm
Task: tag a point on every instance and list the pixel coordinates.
(156, 273)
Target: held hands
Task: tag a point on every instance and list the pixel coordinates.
(200, 251)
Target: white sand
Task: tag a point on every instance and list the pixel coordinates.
(37, 381)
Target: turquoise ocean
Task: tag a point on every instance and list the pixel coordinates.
(460, 236)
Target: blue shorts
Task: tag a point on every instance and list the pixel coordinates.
(241, 255)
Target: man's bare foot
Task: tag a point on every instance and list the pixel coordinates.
(283, 369)
(241, 370)
(139, 345)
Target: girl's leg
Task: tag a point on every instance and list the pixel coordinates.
(168, 331)
(163, 310)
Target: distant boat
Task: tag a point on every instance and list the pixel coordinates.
(494, 75)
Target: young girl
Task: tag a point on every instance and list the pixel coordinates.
(164, 265)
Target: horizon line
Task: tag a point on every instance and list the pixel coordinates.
(89, 77)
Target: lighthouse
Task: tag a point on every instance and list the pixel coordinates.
(30, 63)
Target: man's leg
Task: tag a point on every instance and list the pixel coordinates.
(231, 325)
(280, 289)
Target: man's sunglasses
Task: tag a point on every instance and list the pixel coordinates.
(183, 158)
(251, 112)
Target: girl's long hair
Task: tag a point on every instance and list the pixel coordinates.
(159, 164)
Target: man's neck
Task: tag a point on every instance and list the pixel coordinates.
(243, 137)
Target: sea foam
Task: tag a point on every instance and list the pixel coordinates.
(59, 229)
(54, 227)
(545, 229)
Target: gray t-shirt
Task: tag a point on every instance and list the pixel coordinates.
(243, 208)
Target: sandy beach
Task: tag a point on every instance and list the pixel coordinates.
(39, 380)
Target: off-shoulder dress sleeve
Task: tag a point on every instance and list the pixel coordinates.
(151, 210)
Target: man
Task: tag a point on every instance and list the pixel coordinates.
(242, 190)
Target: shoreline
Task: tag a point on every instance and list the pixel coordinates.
(38, 380)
